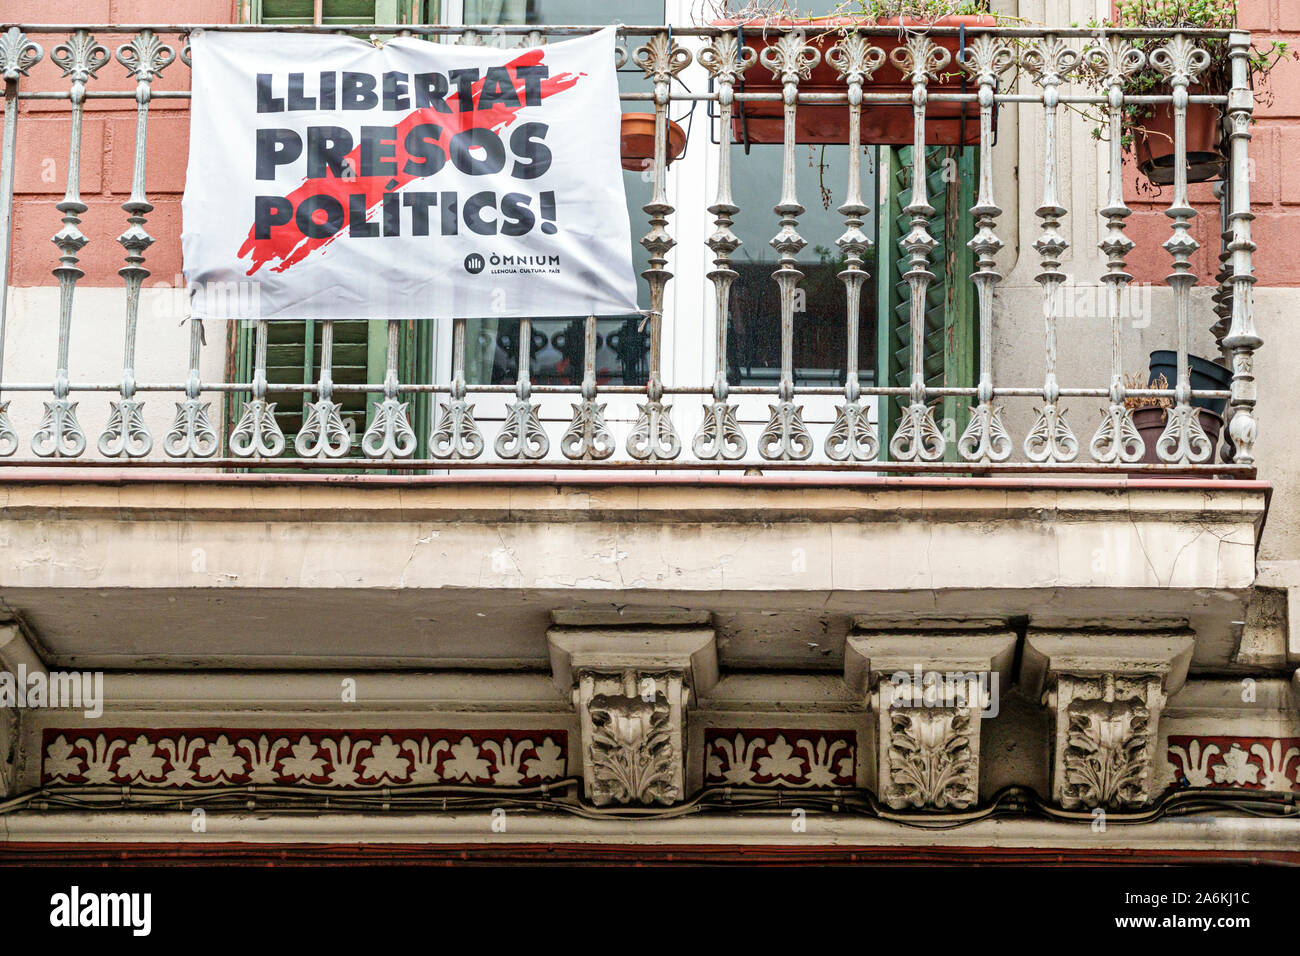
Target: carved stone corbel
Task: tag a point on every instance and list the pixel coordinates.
(929, 684)
(1107, 691)
(631, 687)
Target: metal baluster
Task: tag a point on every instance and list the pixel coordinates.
(985, 438)
(17, 55)
(1184, 440)
(523, 436)
(258, 433)
(786, 437)
(720, 434)
(1242, 338)
(652, 437)
(1117, 438)
(852, 436)
(1051, 439)
(587, 438)
(323, 433)
(390, 434)
(126, 433)
(59, 434)
(191, 434)
(456, 435)
(918, 437)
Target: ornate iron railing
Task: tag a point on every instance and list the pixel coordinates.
(1021, 65)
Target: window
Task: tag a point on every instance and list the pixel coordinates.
(754, 340)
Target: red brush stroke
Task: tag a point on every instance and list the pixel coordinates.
(289, 245)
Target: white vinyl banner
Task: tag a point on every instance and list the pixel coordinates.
(330, 178)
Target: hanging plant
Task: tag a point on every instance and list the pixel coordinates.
(1148, 129)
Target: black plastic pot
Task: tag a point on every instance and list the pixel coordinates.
(1205, 375)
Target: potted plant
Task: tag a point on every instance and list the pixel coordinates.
(1150, 416)
(637, 141)
(947, 124)
(1204, 374)
(1149, 128)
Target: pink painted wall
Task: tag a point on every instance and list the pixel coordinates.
(1275, 191)
(108, 145)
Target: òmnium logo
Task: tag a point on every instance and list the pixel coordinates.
(474, 263)
(74, 908)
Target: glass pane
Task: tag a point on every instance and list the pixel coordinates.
(820, 327)
(622, 348)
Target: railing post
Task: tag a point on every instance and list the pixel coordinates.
(126, 433)
(918, 437)
(1184, 440)
(17, 55)
(1050, 439)
(323, 432)
(522, 435)
(390, 434)
(985, 438)
(456, 435)
(191, 434)
(1242, 338)
(852, 435)
(587, 438)
(1117, 438)
(652, 437)
(59, 434)
(720, 434)
(786, 437)
(257, 432)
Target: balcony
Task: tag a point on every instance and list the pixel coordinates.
(983, 397)
(898, 425)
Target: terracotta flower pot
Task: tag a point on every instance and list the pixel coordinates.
(1150, 423)
(946, 124)
(637, 138)
(1153, 143)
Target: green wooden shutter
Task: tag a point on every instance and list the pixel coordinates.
(951, 349)
(360, 348)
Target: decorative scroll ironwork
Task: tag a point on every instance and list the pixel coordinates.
(653, 437)
(1117, 438)
(852, 437)
(918, 438)
(323, 433)
(587, 438)
(390, 434)
(258, 433)
(785, 437)
(985, 438)
(18, 54)
(720, 434)
(1051, 59)
(59, 434)
(1183, 440)
(145, 57)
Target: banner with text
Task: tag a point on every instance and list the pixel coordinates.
(330, 178)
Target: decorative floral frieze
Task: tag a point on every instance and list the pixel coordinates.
(770, 757)
(1250, 763)
(323, 758)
